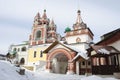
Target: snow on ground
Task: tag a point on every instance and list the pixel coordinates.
(8, 72)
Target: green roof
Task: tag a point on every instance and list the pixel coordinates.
(67, 29)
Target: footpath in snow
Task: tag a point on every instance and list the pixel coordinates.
(8, 72)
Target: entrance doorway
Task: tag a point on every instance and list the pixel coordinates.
(59, 63)
(22, 61)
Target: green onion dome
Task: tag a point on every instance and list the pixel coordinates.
(67, 29)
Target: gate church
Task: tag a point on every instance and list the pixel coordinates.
(58, 54)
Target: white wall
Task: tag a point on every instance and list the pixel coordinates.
(82, 46)
(116, 45)
(21, 54)
(84, 38)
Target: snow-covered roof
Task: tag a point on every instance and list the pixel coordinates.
(104, 50)
(82, 53)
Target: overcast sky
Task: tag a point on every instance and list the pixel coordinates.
(16, 17)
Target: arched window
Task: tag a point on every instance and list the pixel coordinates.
(38, 35)
(23, 49)
(14, 51)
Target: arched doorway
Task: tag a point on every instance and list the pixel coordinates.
(59, 63)
(22, 61)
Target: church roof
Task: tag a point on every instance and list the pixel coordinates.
(44, 15)
(111, 33)
(109, 36)
(67, 29)
(52, 24)
(79, 19)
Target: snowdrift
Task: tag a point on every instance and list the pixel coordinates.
(8, 72)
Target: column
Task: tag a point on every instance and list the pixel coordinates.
(48, 66)
(118, 62)
(70, 68)
(77, 67)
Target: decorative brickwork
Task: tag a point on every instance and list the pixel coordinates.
(46, 29)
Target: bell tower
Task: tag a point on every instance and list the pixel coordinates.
(39, 29)
(51, 33)
(43, 30)
(80, 34)
(79, 23)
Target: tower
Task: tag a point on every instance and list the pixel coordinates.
(43, 30)
(79, 23)
(51, 32)
(80, 35)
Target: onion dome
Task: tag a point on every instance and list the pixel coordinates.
(67, 29)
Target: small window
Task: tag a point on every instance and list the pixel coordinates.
(89, 63)
(14, 49)
(83, 63)
(23, 49)
(41, 53)
(35, 54)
